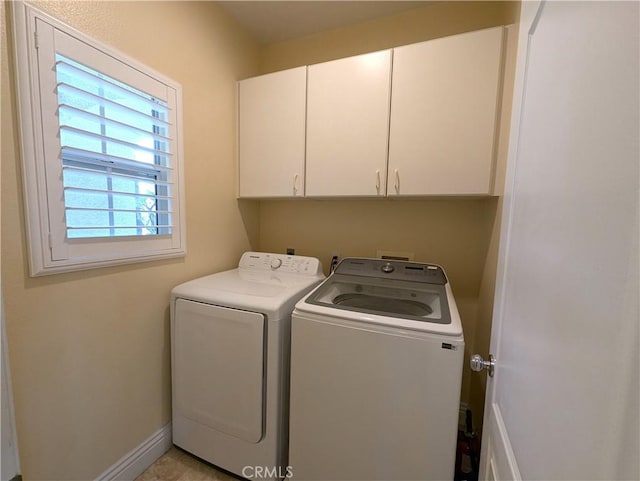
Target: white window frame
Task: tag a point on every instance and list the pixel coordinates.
(50, 251)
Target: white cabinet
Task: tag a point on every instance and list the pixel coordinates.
(444, 110)
(271, 133)
(348, 126)
(360, 126)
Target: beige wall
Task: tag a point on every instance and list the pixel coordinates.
(452, 233)
(89, 351)
(456, 233)
(416, 25)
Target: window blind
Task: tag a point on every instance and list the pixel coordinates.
(116, 155)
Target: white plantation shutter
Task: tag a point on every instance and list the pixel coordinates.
(116, 156)
(107, 174)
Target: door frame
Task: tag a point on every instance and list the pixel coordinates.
(506, 467)
(10, 459)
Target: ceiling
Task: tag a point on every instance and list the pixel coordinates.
(275, 21)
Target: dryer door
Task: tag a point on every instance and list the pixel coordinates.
(219, 358)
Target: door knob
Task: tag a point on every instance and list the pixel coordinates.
(478, 364)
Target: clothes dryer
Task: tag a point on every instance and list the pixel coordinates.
(376, 369)
(230, 346)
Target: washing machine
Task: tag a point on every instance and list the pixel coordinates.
(230, 340)
(376, 370)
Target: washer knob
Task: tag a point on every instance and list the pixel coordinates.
(275, 263)
(388, 268)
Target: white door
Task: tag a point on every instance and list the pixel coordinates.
(563, 403)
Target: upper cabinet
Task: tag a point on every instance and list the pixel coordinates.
(446, 95)
(421, 119)
(348, 126)
(271, 134)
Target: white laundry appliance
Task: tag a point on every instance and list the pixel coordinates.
(376, 370)
(230, 339)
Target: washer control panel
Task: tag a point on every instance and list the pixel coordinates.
(264, 261)
(392, 269)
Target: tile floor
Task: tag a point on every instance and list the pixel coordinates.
(178, 465)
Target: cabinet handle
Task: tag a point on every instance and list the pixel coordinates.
(397, 183)
(295, 184)
(377, 181)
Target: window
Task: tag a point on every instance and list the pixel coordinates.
(115, 155)
(101, 151)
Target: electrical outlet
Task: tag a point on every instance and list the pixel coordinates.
(335, 259)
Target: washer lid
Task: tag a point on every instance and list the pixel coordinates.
(404, 295)
(415, 301)
(271, 293)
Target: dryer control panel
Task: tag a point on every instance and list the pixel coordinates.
(264, 261)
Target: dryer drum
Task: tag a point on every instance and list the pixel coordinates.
(383, 304)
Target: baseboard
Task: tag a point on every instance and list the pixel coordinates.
(133, 464)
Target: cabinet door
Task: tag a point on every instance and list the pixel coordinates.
(348, 126)
(443, 115)
(271, 133)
